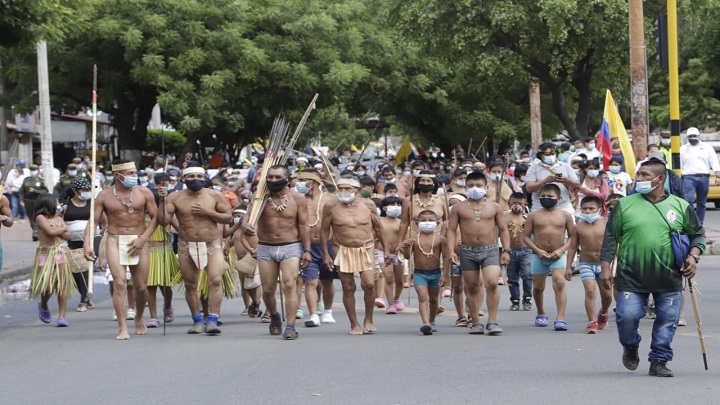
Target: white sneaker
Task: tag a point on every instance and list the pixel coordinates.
(327, 317)
(130, 314)
(114, 316)
(313, 321)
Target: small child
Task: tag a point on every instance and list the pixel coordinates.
(588, 236)
(51, 274)
(428, 249)
(390, 220)
(520, 255)
(548, 227)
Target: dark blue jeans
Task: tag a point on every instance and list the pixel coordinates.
(631, 308)
(696, 192)
(519, 268)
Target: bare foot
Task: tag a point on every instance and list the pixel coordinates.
(368, 327)
(356, 330)
(140, 328)
(123, 335)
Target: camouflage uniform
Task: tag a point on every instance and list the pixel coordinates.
(31, 188)
(63, 184)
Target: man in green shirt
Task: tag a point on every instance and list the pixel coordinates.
(639, 231)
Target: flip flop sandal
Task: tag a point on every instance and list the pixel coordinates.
(290, 334)
(461, 321)
(275, 325)
(153, 323)
(541, 321)
(560, 325)
(265, 318)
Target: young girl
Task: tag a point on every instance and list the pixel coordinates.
(591, 184)
(429, 248)
(51, 274)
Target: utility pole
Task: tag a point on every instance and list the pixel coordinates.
(46, 137)
(674, 89)
(638, 80)
(535, 118)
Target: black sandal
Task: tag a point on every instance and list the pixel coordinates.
(275, 324)
(290, 333)
(254, 310)
(461, 321)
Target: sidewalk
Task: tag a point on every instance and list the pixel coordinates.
(18, 250)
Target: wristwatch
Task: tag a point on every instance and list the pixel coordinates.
(506, 250)
(696, 257)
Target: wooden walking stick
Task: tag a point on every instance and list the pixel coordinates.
(282, 302)
(693, 289)
(91, 265)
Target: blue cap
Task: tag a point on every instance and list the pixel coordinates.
(21, 162)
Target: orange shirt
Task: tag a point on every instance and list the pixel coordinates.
(231, 198)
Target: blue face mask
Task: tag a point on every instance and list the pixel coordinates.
(85, 195)
(302, 187)
(549, 159)
(644, 187)
(130, 181)
(614, 169)
(589, 218)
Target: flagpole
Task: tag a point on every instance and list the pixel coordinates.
(91, 265)
(673, 79)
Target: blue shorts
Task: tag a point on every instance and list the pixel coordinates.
(312, 271)
(540, 266)
(278, 253)
(589, 271)
(317, 261)
(427, 278)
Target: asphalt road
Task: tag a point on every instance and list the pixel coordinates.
(83, 364)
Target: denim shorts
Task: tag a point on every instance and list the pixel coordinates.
(427, 278)
(541, 266)
(279, 253)
(589, 271)
(478, 257)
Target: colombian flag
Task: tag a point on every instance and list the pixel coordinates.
(614, 129)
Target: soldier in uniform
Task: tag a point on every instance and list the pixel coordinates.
(82, 168)
(32, 187)
(63, 184)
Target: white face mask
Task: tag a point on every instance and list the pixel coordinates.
(416, 172)
(33, 172)
(218, 188)
(391, 181)
(72, 172)
(460, 183)
(440, 191)
(476, 193)
(378, 211)
(591, 146)
(236, 220)
(360, 173)
(427, 226)
(346, 197)
(393, 211)
(665, 142)
(495, 176)
(406, 173)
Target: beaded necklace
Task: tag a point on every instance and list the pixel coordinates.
(282, 206)
(317, 211)
(477, 212)
(431, 245)
(423, 204)
(129, 204)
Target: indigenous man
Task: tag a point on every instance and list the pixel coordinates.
(478, 220)
(309, 183)
(199, 210)
(355, 225)
(283, 246)
(125, 206)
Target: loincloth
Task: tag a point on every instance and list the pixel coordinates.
(199, 252)
(355, 259)
(123, 243)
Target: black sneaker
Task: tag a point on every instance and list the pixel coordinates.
(659, 369)
(515, 305)
(527, 304)
(630, 357)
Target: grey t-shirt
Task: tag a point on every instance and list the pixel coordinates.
(539, 171)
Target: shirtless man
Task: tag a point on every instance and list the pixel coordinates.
(283, 246)
(199, 210)
(423, 199)
(544, 233)
(478, 219)
(355, 225)
(125, 207)
(588, 235)
(7, 220)
(309, 183)
(391, 178)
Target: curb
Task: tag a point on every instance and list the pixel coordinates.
(18, 272)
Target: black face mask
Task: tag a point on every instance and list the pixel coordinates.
(548, 202)
(195, 184)
(693, 141)
(275, 186)
(425, 187)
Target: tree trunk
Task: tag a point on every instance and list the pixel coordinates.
(581, 81)
(132, 118)
(559, 108)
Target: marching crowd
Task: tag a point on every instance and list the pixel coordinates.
(449, 227)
